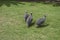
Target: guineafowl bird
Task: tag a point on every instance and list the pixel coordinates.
(26, 16)
(29, 20)
(40, 21)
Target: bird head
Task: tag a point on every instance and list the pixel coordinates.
(44, 15)
(26, 11)
(31, 13)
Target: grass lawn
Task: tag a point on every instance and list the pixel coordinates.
(13, 27)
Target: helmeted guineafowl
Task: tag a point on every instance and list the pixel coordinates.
(40, 21)
(29, 20)
(26, 16)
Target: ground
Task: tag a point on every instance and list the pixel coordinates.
(13, 27)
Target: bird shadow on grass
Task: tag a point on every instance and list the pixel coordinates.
(41, 26)
(32, 24)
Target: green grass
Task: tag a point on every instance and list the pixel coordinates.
(13, 27)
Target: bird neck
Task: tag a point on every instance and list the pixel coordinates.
(44, 17)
